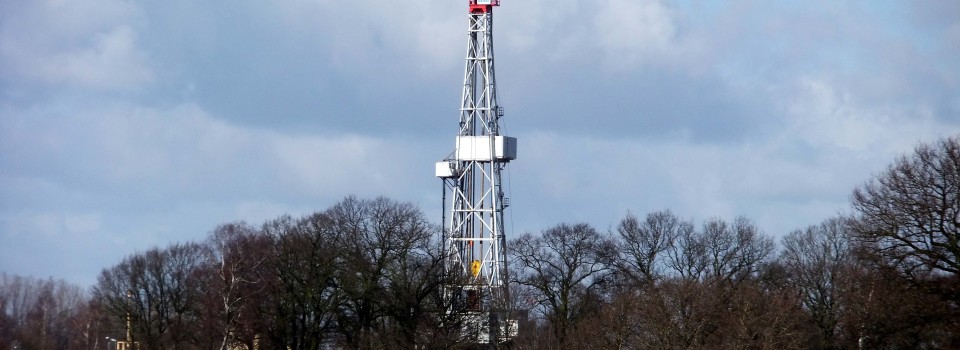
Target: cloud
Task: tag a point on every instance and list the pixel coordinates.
(136, 176)
(420, 34)
(113, 61)
(130, 124)
(88, 44)
(632, 33)
(828, 116)
(184, 152)
(783, 181)
(83, 223)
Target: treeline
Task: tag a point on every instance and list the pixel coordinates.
(362, 274)
(43, 314)
(367, 274)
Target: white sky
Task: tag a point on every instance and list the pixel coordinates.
(131, 124)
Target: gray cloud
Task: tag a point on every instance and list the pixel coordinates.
(89, 45)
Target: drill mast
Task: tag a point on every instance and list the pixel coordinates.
(474, 239)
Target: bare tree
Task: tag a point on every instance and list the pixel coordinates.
(642, 245)
(819, 261)
(361, 274)
(566, 266)
(885, 310)
(239, 259)
(755, 318)
(305, 293)
(385, 271)
(38, 314)
(687, 258)
(910, 213)
(159, 292)
(720, 251)
(735, 251)
(706, 294)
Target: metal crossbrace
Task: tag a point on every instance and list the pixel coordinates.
(475, 232)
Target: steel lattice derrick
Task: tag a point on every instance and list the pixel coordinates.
(474, 236)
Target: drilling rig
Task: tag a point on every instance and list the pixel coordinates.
(474, 241)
